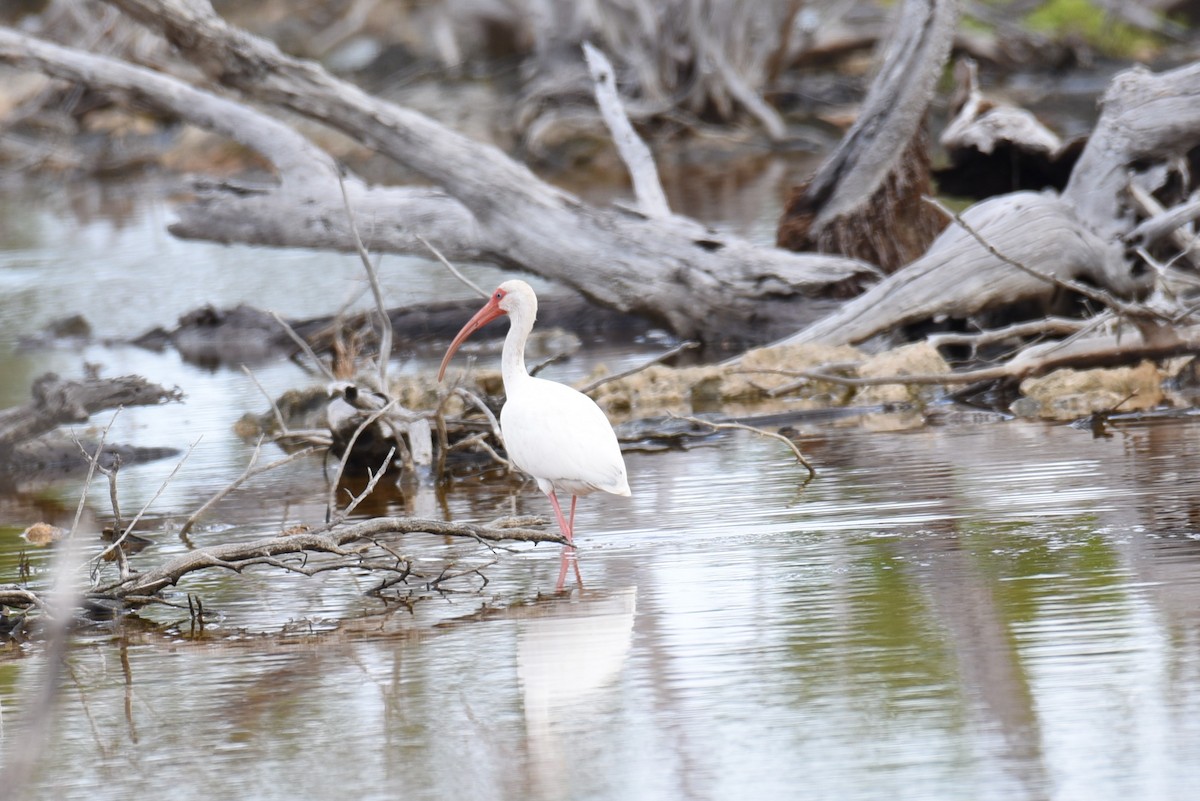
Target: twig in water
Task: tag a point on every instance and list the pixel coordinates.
(371, 482)
(491, 418)
(743, 427)
(119, 540)
(250, 472)
(337, 478)
(283, 427)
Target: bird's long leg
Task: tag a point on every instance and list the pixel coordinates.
(563, 525)
(571, 520)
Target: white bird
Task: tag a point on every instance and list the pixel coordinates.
(551, 431)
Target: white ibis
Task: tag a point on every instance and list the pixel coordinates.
(552, 432)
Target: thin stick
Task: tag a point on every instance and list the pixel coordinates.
(93, 463)
(1047, 325)
(454, 270)
(118, 541)
(599, 382)
(308, 351)
(492, 421)
(250, 472)
(283, 427)
(331, 504)
(743, 427)
(385, 323)
(374, 479)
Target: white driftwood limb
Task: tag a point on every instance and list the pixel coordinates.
(1080, 234)
(986, 125)
(737, 87)
(651, 199)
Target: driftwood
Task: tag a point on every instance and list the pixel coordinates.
(351, 543)
(710, 57)
(367, 545)
(674, 271)
(864, 201)
(959, 277)
(57, 401)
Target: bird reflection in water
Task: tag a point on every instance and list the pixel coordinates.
(569, 657)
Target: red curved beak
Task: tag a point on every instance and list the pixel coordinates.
(490, 311)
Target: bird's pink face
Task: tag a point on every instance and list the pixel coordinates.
(495, 307)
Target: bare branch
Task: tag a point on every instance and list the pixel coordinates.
(761, 432)
(1104, 298)
(304, 346)
(337, 479)
(237, 556)
(454, 270)
(371, 482)
(250, 472)
(385, 322)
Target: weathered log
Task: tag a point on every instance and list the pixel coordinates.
(1147, 120)
(864, 201)
(958, 277)
(304, 209)
(696, 282)
(57, 401)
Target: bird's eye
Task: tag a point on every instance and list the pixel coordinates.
(499, 294)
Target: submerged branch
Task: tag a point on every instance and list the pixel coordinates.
(353, 542)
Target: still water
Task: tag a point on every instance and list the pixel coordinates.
(1000, 611)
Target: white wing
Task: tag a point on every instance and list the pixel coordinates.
(561, 436)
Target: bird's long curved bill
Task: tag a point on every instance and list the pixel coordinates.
(489, 312)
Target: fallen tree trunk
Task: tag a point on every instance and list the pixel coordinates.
(864, 201)
(695, 282)
(245, 335)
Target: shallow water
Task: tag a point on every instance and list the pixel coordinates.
(1002, 611)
